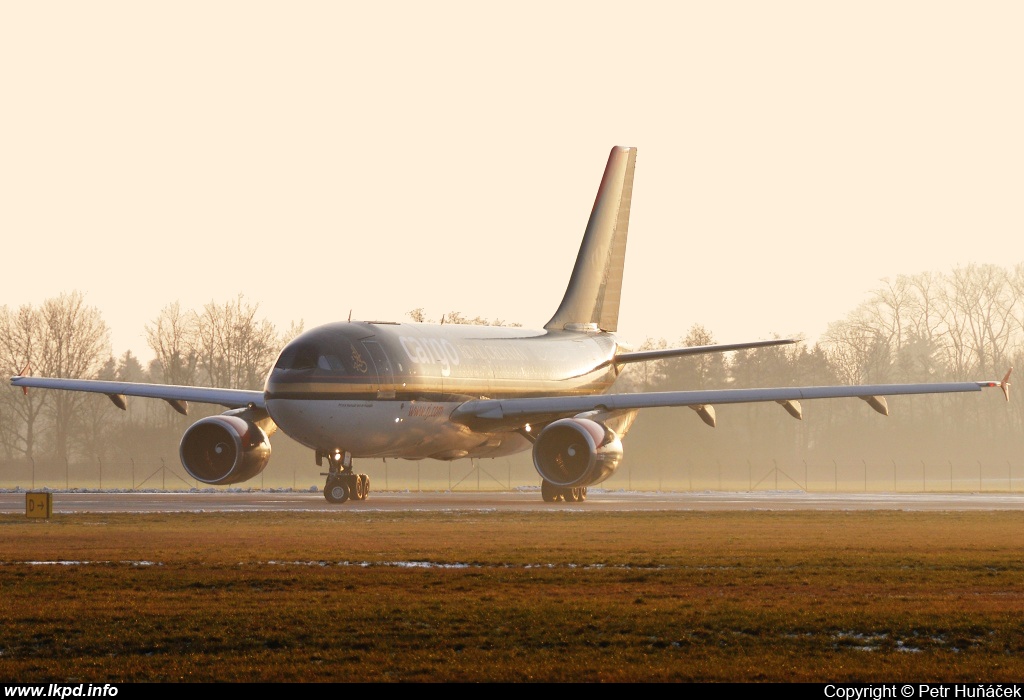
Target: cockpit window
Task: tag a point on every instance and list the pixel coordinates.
(331, 363)
(333, 356)
(297, 357)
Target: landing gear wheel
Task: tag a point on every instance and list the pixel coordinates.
(550, 493)
(576, 494)
(365, 481)
(336, 491)
(359, 490)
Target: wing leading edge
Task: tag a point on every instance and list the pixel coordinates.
(177, 396)
(491, 414)
(514, 413)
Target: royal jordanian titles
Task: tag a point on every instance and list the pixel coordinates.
(415, 390)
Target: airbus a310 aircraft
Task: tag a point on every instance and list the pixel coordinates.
(417, 390)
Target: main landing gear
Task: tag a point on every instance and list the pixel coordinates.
(552, 494)
(342, 483)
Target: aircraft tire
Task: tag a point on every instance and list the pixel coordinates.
(366, 486)
(359, 487)
(576, 494)
(336, 491)
(549, 492)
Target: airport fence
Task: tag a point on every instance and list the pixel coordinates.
(863, 476)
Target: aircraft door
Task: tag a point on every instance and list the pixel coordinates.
(385, 374)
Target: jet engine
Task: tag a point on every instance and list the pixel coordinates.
(224, 449)
(576, 452)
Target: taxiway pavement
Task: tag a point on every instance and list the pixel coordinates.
(525, 500)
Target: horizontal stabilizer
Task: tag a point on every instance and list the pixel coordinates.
(648, 355)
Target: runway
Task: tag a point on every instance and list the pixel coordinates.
(67, 502)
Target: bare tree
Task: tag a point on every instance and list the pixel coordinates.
(645, 376)
(695, 372)
(858, 350)
(75, 342)
(925, 321)
(95, 433)
(901, 316)
(171, 336)
(235, 349)
(1015, 279)
(979, 316)
(418, 315)
(295, 328)
(20, 340)
(886, 311)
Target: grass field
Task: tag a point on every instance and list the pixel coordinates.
(550, 596)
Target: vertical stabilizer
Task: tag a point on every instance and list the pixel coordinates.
(592, 296)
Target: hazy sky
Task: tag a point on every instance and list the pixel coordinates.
(328, 157)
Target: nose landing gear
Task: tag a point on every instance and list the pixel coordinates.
(342, 483)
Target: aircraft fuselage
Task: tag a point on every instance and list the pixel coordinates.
(388, 389)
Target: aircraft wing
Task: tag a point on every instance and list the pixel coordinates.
(177, 396)
(514, 413)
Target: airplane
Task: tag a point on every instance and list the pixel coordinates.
(368, 389)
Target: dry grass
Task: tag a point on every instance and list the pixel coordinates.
(565, 595)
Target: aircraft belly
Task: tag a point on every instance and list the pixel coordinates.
(414, 430)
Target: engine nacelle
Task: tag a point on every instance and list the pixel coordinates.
(224, 450)
(576, 452)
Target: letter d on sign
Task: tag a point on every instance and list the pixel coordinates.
(38, 504)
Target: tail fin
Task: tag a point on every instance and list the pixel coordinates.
(592, 297)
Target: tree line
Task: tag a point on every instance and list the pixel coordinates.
(964, 325)
(223, 344)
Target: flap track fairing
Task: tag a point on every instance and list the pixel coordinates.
(878, 403)
(706, 413)
(179, 406)
(792, 408)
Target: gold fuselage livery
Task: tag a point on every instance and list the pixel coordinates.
(449, 391)
(390, 388)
